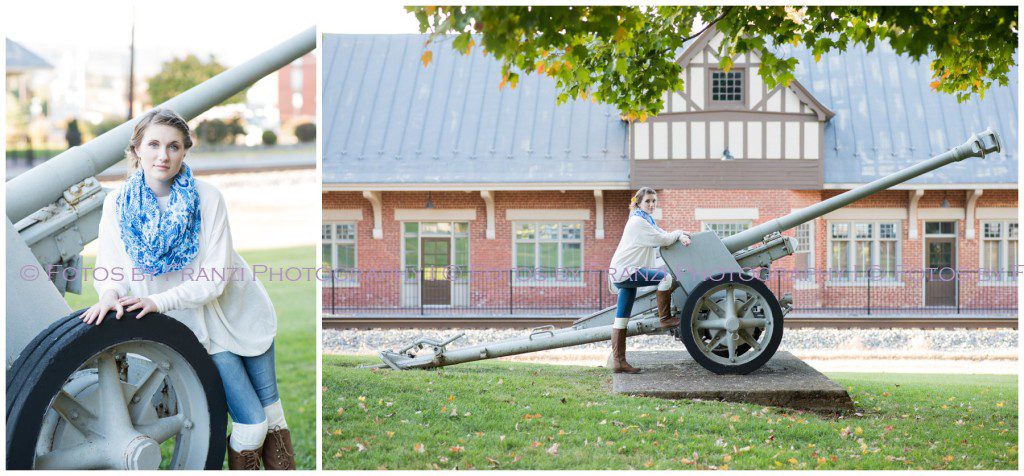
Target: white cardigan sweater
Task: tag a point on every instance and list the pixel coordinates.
(637, 250)
(216, 294)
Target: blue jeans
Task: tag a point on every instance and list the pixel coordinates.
(250, 383)
(627, 289)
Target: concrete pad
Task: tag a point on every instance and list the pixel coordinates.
(785, 381)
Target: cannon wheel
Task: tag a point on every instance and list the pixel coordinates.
(115, 396)
(731, 324)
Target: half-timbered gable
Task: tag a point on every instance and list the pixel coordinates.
(728, 130)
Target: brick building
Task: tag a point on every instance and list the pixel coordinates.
(296, 91)
(445, 192)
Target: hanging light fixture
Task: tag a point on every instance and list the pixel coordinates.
(430, 201)
(945, 201)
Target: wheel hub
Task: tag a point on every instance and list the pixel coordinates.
(142, 452)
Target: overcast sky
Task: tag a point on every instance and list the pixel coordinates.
(231, 29)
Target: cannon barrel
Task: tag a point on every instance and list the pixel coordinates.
(45, 183)
(977, 146)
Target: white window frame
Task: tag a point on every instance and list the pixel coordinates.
(452, 235)
(341, 280)
(808, 281)
(559, 281)
(1002, 279)
(705, 224)
(846, 280)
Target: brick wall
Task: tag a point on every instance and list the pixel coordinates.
(491, 290)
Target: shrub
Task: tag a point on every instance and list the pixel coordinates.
(305, 132)
(269, 138)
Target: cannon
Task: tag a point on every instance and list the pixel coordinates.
(730, 321)
(130, 393)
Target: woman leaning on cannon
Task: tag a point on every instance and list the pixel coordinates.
(172, 229)
(632, 267)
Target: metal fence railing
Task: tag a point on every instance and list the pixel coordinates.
(528, 292)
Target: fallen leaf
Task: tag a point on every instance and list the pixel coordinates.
(427, 56)
(418, 447)
(341, 410)
(553, 450)
(456, 449)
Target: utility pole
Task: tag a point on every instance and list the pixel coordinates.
(131, 68)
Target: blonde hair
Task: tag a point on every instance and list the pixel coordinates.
(639, 195)
(164, 117)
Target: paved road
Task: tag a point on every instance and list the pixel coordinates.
(219, 161)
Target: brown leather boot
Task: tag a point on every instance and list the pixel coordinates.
(619, 364)
(665, 318)
(247, 460)
(277, 450)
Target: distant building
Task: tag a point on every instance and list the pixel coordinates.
(429, 168)
(296, 91)
(26, 97)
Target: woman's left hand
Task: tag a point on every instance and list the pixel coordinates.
(145, 304)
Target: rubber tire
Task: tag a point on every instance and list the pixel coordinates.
(53, 355)
(686, 333)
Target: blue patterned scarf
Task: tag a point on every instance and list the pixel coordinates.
(160, 242)
(647, 217)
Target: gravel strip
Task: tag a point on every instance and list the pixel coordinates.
(972, 344)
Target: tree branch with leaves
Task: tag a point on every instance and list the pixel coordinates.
(626, 56)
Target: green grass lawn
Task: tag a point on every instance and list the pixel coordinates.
(295, 347)
(507, 415)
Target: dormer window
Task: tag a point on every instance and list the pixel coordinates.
(727, 87)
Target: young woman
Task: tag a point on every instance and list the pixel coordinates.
(632, 267)
(171, 231)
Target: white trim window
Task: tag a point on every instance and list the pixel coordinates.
(999, 250)
(856, 248)
(724, 228)
(803, 257)
(547, 252)
(414, 231)
(338, 244)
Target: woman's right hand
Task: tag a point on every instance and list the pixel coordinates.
(108, 302)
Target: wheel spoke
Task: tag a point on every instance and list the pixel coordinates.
(749, 340)
(143, 395)
(730, 300)
(711, 324)
(88, 455)
(747, 306)
(730, 344)
(164, 428)
(113, 408)
(76, 414)
(713, 307)
(751, 322)
(716, 340)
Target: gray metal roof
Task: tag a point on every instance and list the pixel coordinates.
(887, 117)
(386, 118)
(21, 59)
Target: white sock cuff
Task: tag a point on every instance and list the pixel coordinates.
(620, 323)
(275, 416)
(248, 437)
